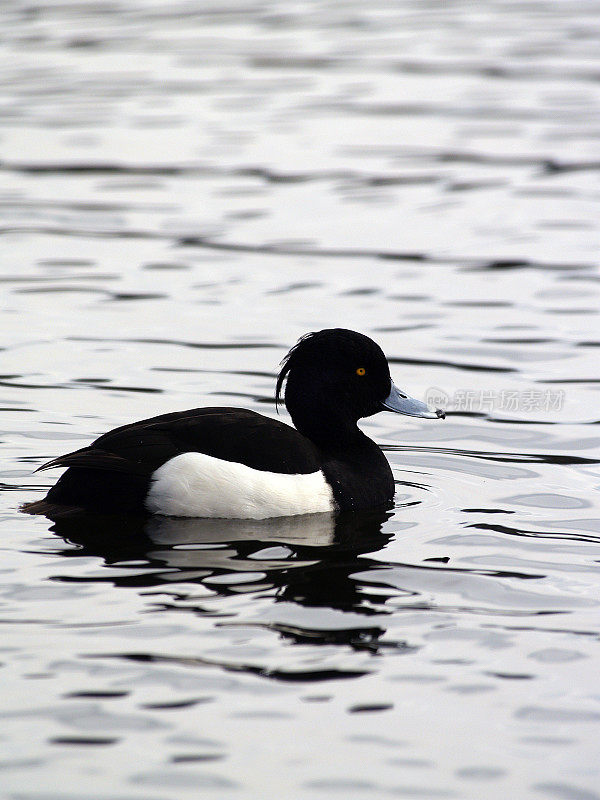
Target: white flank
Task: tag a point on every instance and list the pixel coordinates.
(197, 485)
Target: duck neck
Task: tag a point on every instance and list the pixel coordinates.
(329, 432)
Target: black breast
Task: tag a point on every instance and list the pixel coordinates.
(360, 476)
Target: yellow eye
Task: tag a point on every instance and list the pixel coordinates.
(361, 371)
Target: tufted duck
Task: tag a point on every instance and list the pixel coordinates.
(230, 462)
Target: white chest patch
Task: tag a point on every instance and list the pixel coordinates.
(197, 485)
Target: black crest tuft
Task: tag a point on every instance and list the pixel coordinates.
(287, 363)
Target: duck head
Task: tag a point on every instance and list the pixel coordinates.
(337, 376)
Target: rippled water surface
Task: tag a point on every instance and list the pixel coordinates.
(185, 189)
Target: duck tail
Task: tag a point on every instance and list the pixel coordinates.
(47, 509)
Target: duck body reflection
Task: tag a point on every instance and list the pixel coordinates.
(308, 560)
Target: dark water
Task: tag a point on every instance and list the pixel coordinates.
(187, 188)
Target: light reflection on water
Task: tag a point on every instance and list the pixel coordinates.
(186, 190)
